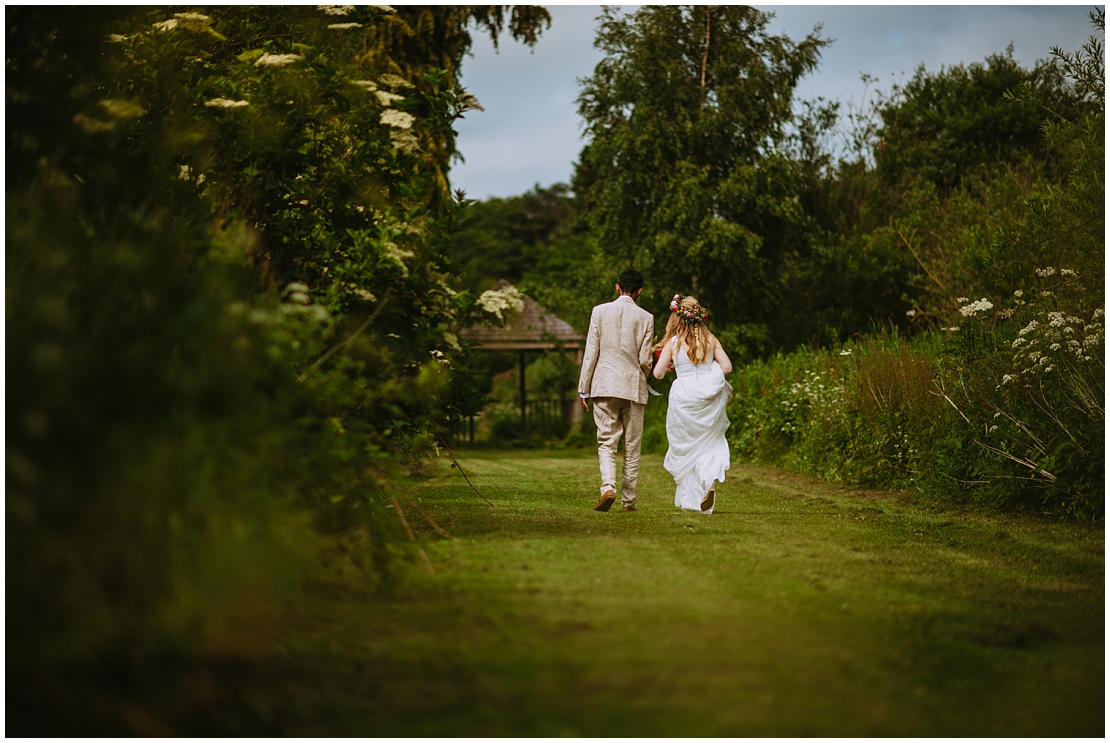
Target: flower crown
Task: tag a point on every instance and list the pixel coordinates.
(689, 315)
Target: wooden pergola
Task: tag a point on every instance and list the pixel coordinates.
(535, 328)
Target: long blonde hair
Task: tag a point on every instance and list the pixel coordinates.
(694, 335)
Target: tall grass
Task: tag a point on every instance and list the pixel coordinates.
(967, 412)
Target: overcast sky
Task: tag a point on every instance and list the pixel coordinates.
(530, 131)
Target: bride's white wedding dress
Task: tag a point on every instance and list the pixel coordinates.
(697, 453)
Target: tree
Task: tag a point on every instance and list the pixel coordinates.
(943, 127)
(504, 238)
(686, 174)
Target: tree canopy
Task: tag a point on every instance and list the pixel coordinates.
(686, 174)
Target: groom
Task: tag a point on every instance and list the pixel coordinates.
(615, 365)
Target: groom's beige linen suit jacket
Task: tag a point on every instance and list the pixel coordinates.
(617, 358)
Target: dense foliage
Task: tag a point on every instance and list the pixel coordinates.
(686, 173)
(1001, 399)
(228, 318)
(951, 266)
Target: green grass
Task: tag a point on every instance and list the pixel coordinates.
(799, 608)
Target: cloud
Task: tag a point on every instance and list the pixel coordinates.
(529, 132)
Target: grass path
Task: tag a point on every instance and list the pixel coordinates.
(799, 608)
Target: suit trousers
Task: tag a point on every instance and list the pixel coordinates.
(616, 417)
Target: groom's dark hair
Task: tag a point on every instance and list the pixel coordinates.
(631, 281)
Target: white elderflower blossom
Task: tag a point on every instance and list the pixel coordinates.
(1006, 379)
(387, 99)
(846, 352)
(397, 119)
(335, 9)
(1067, 272)
(1054, 347)
(1018, 343)
(1097, 315)
(277, 60)
(1056, 319)
(403, 139)
(117, 38)
(367, 84)
(1019, 294)
(980, 305)
(225, 103)
(1045, 272)
(1028, 328)
(502, 303)
(961, 300)
(169, 25)
(397, 254)
(344, 26)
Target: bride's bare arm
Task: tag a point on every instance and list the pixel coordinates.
(664, 363)
(721, 357)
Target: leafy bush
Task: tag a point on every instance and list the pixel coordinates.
(229, 325)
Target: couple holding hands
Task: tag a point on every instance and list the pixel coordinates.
(615, 365)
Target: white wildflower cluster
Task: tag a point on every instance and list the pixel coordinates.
(225, 103)
(397, 119)
(335, 9)
(398, 255)
(979, 305)
(1058, 338)
(1046, 272)
(186, 174)
(387, 99)
(343, 26)
(277, 60)
(1067, 272)
(814, 390)
(196, 23)
(297, 302)
(502, 303)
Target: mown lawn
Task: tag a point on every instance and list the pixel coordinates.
(799, 608)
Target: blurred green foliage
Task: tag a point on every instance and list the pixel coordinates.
(229, 324)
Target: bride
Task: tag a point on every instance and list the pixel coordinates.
(697, 454)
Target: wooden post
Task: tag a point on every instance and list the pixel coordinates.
(523, 400)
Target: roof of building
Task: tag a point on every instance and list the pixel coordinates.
(535, 328)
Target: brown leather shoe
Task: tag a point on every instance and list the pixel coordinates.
(707, 501)
(630, 508)
(606, 501)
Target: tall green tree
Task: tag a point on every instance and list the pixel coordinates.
(687, 173)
